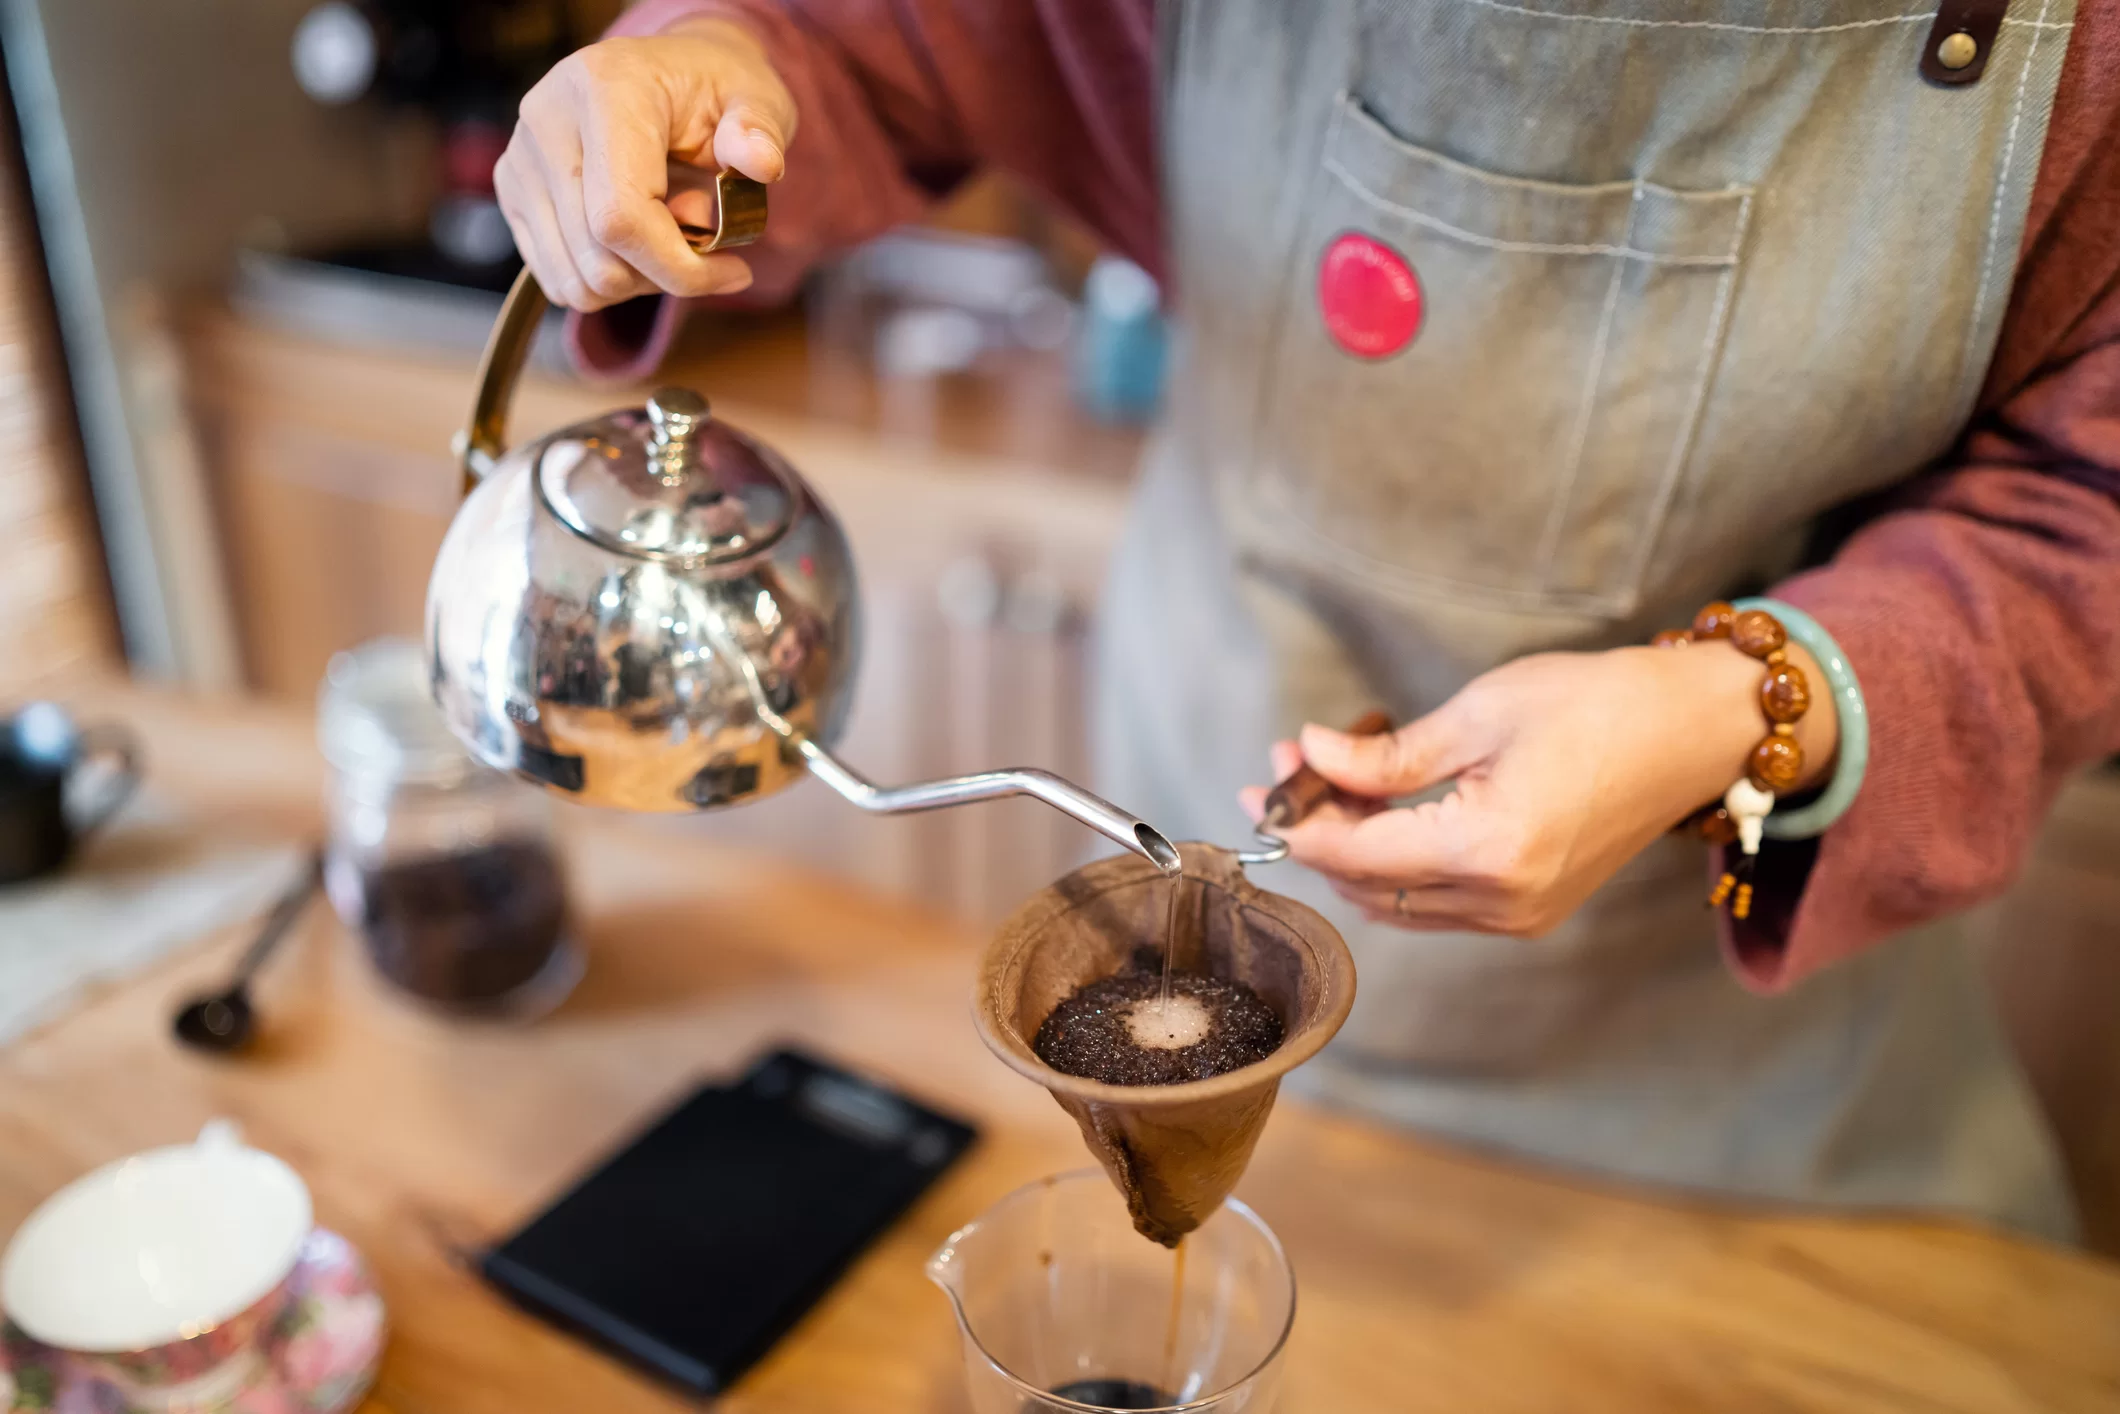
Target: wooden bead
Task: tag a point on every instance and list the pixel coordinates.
(1671, 638)
(1714, 621)
(1718, 828)
(1757, 632)
(1785, 695)
(1776, 764)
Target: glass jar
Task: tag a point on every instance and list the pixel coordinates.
(445, 868)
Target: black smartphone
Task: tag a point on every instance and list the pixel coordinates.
(697, 1245)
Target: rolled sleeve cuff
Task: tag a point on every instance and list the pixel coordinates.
(1816, 902)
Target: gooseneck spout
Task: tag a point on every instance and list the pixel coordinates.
(1100, 815)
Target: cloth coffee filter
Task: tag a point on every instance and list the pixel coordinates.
(1175, 1151)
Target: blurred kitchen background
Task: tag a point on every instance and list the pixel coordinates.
(247, 259)
(269, 260)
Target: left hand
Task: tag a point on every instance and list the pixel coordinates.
(1567, 766)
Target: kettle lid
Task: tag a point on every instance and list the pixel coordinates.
(668, 483)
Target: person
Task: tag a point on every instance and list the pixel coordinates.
(1510, 332)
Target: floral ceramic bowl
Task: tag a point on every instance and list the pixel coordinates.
(169, 1280)
(318, 1356)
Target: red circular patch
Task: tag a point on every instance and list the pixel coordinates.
(1368, 295)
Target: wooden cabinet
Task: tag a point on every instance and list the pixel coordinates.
(54, 605)
(2052, 946)
(979, 573)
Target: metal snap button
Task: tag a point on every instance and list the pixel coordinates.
(1957, 50)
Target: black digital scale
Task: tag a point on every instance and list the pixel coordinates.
(696, 1246)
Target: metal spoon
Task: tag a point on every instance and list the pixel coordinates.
(224, 1022)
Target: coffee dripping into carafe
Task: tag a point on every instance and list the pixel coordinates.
(651, 610)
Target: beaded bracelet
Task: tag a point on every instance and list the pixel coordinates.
(1851, 763)
(1774, 766)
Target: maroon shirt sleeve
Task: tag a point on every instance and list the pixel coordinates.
(1981, 607)
(898, 100)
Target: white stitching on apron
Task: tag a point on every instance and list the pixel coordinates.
(1735, 28)
(1421, 218)
(1968, 386)
(1345, 102)
(1681, 449)
(1557, 515)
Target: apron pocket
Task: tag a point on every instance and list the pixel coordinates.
(1522, 446)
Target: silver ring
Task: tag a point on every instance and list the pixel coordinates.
(1399, 905)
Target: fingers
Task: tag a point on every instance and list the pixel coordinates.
(1284, 759)
(1460, 869)
(586, 176)
(1432, 907)
(1413, 758)
(1556, 767)
(1386, 849)
(627, 191)
(757, 114)
(1463, 899)
(751, 136)
(519, 186)
(1464, 866)
(1436, 909)
(606, 277)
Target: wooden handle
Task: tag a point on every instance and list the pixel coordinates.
(1291, 802)
(739, 219)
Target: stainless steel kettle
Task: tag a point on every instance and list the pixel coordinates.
(651, 610)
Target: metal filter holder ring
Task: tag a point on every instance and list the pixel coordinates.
(1290, 802)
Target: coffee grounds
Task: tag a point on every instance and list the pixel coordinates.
(1090, 1034)
(467, 927)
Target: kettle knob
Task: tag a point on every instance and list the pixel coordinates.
(675, 413)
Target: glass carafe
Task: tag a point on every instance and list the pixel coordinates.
(1064, 1307)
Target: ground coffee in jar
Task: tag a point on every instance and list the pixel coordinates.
(466, 927)
(444, 867)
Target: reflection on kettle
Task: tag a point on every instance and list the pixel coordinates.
(653, 611)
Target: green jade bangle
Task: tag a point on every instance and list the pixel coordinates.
(1853, 758)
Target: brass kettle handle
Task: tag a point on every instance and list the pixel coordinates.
(739, 219)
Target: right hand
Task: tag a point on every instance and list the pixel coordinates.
(620, 142)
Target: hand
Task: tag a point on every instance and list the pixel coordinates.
(1567, 765)
(620, 142)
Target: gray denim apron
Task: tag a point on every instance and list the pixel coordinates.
(1690, 271)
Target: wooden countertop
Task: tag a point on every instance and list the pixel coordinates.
(1430, 1279)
